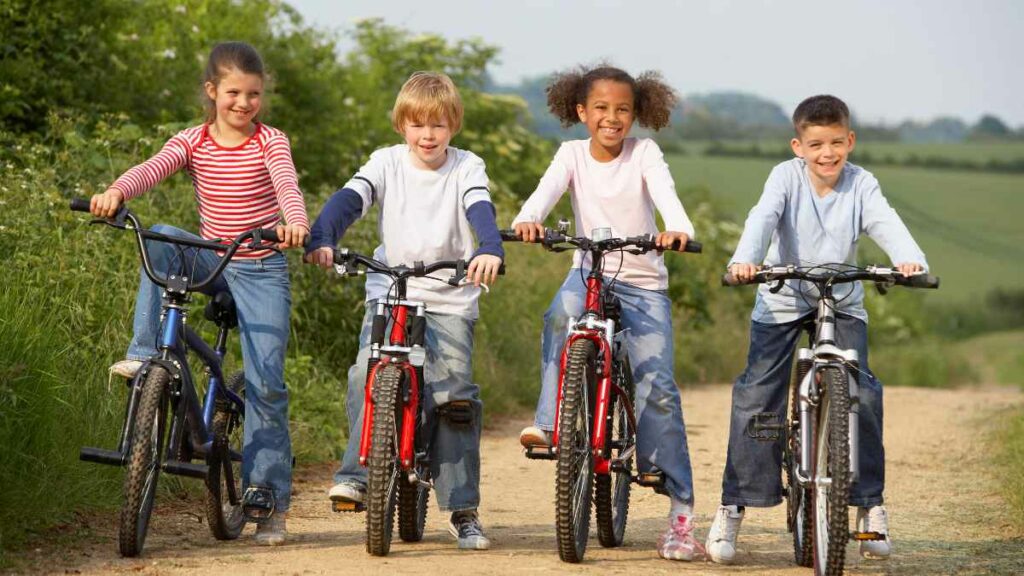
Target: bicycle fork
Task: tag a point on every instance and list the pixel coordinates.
(810, 367)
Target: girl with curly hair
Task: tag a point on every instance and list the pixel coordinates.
(617, 182)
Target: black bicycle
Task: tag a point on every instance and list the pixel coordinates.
(821, 436)
(205, 437)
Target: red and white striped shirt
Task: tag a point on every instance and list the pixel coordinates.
(238, 188)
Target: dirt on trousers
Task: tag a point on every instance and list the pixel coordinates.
(946, 513)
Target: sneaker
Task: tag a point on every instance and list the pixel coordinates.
(721, 543)
(533, 436)
(272, 532)
(874, 519)
(348, 492)
(465, 526)
(678, 543)
(126, 368)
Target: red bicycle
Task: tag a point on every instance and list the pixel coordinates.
(392, 446)
(594, 440)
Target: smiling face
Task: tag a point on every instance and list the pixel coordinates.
(428, 141)
(825, 150)
(237, 98)
(608, 116)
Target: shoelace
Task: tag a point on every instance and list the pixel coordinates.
(728, 528)
(876, 520)
(682, 531)
(468, 526)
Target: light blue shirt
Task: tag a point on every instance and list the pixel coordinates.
(791, 224)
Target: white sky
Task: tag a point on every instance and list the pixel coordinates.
(889, 59)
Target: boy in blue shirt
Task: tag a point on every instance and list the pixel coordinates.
(813, 210)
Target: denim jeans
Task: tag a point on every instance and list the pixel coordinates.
(753, 468)
(453, 449)
(647, 314)
(263, 299)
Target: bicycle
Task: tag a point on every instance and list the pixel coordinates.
(393, 446)
(821, 436)
(209, 430)
(594, 439)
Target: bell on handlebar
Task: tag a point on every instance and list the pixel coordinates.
(600, 234)
(563, 226)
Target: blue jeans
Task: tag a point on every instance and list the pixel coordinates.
(453, 449)
(647, 314)
(262, 295)
(753, 468)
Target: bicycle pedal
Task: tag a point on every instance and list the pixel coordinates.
(541, 453)
(650, 479)
(347, 506)
(866, 536)
(258, 504)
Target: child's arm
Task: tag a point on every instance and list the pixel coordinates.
(537, 207)
(476, 201)
(278, 158)
(881, 222)
(344, 208)
(662, 190)
(760, 225)
(138, 179)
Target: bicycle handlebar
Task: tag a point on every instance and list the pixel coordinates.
(346, 259)
(643, 243)
(878, 274)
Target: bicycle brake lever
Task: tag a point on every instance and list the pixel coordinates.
(777, 286)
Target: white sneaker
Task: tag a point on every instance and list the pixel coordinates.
(533, 436)
(348, 492)
(874, 519)
(721, 543)
(125, 368)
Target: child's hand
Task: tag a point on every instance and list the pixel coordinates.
(105, 205)
(668, 238)
(743, 272)
(483, 268)
(530, 231)
(291, 235)
(323, 257)
(909, 269)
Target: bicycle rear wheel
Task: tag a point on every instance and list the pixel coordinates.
(575, 470)
(224, 462)
(611, 491)
(382, 465)
(832, 462)
(144, 459)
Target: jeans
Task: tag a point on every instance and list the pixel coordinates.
(647, 314)
(453, 449)
(262, 297)
(753, 467)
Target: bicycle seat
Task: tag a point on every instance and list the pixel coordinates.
(221, 310)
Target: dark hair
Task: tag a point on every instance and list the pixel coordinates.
(653, 99)
(821, 110)
(224, 58)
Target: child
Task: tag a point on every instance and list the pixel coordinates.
(813, 210)
(432, 198)
(243, 177)
(617, 182)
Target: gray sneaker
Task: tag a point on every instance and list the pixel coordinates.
(465, 525)
(272, 531)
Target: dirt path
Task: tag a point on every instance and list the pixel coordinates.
(945, 511)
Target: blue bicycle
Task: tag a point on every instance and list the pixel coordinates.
(163, 389)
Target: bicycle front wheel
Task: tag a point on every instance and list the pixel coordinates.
(144, 458)
(611, 491)
(575, 470)
(831, 474)
(382, 465)
(224, 462)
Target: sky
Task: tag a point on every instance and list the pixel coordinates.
(890, 60)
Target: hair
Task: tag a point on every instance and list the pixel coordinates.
(653, 99)
(821, 110)
(225, 58)
(426, 96)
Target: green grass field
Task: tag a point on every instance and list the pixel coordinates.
(968, 223)
(898, 151)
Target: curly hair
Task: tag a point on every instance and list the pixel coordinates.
(653, 99)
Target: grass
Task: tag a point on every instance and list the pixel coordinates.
(1010, 459)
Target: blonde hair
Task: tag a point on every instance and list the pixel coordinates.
(427, 96)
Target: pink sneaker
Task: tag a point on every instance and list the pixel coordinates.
(678, 543)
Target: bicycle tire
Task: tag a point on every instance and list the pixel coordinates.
(225, 517)
(798, 498)
(832, 458)
(575, 470)
(412, 502)
(612, 490)
(382, 470)
(144, 456)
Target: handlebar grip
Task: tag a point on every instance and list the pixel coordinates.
(695, 247)
(501, 270)
(919, 281)
(729, 280)
(509, 235)
(80, 204)
(269, 234)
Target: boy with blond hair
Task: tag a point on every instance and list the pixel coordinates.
(433, 198)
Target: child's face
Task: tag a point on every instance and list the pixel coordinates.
(825, 149)
(608, 114)
(237, 98)
(428, 141)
